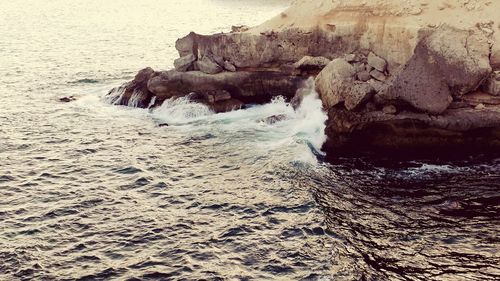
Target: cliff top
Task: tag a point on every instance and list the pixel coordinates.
(463, 14)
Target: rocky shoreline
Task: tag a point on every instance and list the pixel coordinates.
(391, 77)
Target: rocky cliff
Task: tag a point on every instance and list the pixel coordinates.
(403, 76)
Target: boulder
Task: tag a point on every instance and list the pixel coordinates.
(461, 57)
(492, 84)
(334, 82)
(378, 75)
(208, 66)
(447, 62)
(360, 93)
(184, 63)
(377, 62)
(229, 66)
(495, 56)
(187, 45)
(311, 63)
(389, 109)
(67, 99)
(363, 76)
(239, 28)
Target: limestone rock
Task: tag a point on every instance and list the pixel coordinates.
(334, 82)
(274, 119)
(311, 63)
(244, 85)
(67, 99)
(187, 45)
(478, 97)
(492, 84)
(229, 66)
(461, 57)
(448, 61)
(495, 56)
(227, 105)
(377, 62)
(389, 109)
(184, 63)
(359, 95)
(378, 75)
(239, 28)
(364, 76)
(208, 66)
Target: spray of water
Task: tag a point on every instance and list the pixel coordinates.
(298, 128)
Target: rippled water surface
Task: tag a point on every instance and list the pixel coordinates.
(91, 191)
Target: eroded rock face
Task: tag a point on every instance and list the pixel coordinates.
(413, 134)
(137, 88)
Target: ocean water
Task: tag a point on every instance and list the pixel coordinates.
(92, 191)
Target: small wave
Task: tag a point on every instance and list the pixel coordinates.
(181, 111)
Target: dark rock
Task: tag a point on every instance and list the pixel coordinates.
(378, 75)
(274, 119)
(137, 87)
(184, 63)
(208, 66)
(67, 99)
(413, 134)
(492, 84)
(226, 105)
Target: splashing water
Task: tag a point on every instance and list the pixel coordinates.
(301, 127)
(135, 99)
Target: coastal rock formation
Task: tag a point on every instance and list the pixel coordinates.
(391, 74)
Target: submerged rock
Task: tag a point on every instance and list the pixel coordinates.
(274, 119)
(67, 99)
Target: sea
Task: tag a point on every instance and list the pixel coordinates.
(94, 191)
